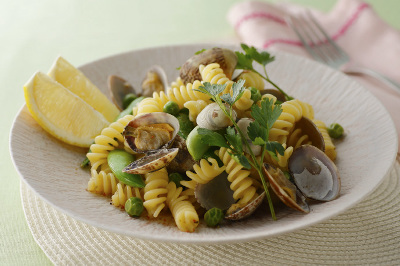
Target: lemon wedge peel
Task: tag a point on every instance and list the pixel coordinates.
(74, 80)
(62, 113)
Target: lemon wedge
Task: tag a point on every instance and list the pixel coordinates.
(74, 80)
(62, 113)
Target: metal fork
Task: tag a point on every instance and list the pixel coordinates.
(323, 49)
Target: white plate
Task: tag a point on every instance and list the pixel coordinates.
(51, 168)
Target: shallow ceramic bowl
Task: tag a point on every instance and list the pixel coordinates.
(365, 156)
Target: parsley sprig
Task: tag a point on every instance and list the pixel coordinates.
(258, 131)
(246, 59)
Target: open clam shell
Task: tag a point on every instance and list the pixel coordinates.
(315, 175)
(151, 141)
(243, 124)
(311, 130)
(155, 81)
(215, 193)
(246, 210)
(118, 88)
(285, 190)
(151, 162)
(226, 58)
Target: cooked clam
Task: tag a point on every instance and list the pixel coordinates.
(315, 175)
(285, 190)
(306, 127)
(155, 81)
(151, 131)
(226, 58)
(213, 118)
(118, 88)
(217, 193)
(152, 161)
(183, 161)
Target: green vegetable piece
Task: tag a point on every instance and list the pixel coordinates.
(128, 99)
(128, 110)
(118, 160)
(134, 206)
(185, 125)
(255, 94)
(335, 131)
(176, 178)
(171, 108)
(85, 162)
(195, 145)
(213, 217)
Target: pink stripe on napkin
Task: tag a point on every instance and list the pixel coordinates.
(355, 26)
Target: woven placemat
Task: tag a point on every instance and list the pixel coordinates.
(367, 234)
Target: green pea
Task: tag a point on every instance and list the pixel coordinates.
(128, 99)
(335, 131)
(171, 108)
(255, 94)
(118, 160)
(134, 206)
(176, 178)
(213, 217)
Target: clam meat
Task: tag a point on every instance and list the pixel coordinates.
(155, 81)
(151, 131)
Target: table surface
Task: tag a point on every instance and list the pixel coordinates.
(34, 33)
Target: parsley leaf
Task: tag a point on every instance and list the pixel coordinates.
(237, 92)
(240, 158)
(234, 139)
(267, 114)
(212, 138)
(211, 89)
(257, 133)
(262, 58)
(275, 147)
(244, 61)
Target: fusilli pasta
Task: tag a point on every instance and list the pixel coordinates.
(205, 172)
(155, 191)
(123, 193)
(330, 149)
(241, 183)
(184, 213)
(252, 79)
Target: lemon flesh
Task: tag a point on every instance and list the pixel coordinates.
(62, 113)
(75, 81)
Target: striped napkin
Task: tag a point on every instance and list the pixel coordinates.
(353, 24)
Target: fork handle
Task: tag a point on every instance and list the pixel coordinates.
(366, 71)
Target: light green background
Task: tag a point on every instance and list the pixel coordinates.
(34, 33)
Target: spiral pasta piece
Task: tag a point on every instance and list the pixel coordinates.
(109, 139)
(297, 138)
(241, 184)
(195, 107)
(102, 182)
(177, 83)
(283, 160)
(123, 193)
(205, 172)
(245, 102)
(187, 93)
(330, 149)
(155, 191)
(215, 75)
(252, 79)
(184, 213)
(292, 111)
(152, 104)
